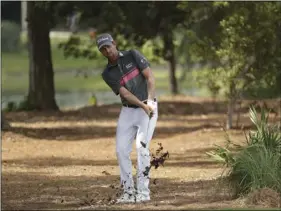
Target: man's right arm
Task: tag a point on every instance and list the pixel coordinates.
(118, 89)
(134, 100)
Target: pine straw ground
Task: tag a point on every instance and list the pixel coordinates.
(66, 160)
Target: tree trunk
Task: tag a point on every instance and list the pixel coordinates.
(173, 79)
(231, 105)
(238, 113)
(230, 111)
(279, 96)
(170, 57)
(41, 93)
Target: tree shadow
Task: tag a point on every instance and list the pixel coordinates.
(95, 132)
(193, 158)
(112, 111)
(36, 190)
(188, 108)
(66, 133)
(164, 132)
(106, 112)
(185, 161)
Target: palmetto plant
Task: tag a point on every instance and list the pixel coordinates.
(256, 164)
(267, 135)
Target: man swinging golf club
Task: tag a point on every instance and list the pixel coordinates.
(128, 74)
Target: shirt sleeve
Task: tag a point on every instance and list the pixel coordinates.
(140, 60)
(113, 84)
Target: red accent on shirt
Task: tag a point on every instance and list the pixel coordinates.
(125, 78)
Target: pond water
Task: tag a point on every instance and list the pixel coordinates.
(80, 99)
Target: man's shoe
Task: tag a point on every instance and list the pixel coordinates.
(142, 198)
(126, 198)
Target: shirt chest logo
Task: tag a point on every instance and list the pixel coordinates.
(128, 66)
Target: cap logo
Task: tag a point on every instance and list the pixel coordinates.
(102, 39)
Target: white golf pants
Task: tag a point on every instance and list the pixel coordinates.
(134, 123)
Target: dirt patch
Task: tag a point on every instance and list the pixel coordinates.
(67, 160)
(265, 198)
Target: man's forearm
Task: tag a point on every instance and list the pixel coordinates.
(130, 97)
(151, 87)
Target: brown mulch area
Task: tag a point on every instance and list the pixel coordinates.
(66, 160)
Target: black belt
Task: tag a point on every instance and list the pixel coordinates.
(135, 106)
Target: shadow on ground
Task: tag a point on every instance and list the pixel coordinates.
(35, 190)
(96, 132)
(112, 111)
(197, 160)
(175, 108)
(24, 187)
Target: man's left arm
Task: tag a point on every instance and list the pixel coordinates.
(150, 83)
(143, 64)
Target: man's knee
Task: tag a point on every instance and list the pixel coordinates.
(143, 151)
(122, 152)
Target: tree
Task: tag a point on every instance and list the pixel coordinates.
(199, 41)
(41, 92)
(248, 53)
(137, 22)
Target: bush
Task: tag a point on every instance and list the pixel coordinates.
(11, 106)
(24, 105)
(256, 164)
(10, 36)
(21, 106)
(93, 100)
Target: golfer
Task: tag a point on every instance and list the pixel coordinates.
(128, 74)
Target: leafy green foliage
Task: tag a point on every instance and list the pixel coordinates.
(262, 46)
(21, 106)
(81, 47)
(137, 22)
(256, 164)
(208, 78)
(243, 53)
(93, 100)
(77, 47)
(11, 106)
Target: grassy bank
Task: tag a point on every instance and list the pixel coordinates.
(15, 72)
(69, 82)
(17, 63)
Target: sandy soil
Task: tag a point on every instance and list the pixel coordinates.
(66, 160)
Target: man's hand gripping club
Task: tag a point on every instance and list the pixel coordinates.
(148, 108)
(152, 106)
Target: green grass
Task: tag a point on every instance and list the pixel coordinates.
(14, 62)
(18, 62)
(15, 72)
(65, 82)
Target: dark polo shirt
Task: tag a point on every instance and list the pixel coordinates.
(127, 73)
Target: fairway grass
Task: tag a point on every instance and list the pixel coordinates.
(17, 63)
(15, 74)
(15, 68)
(65, 82)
